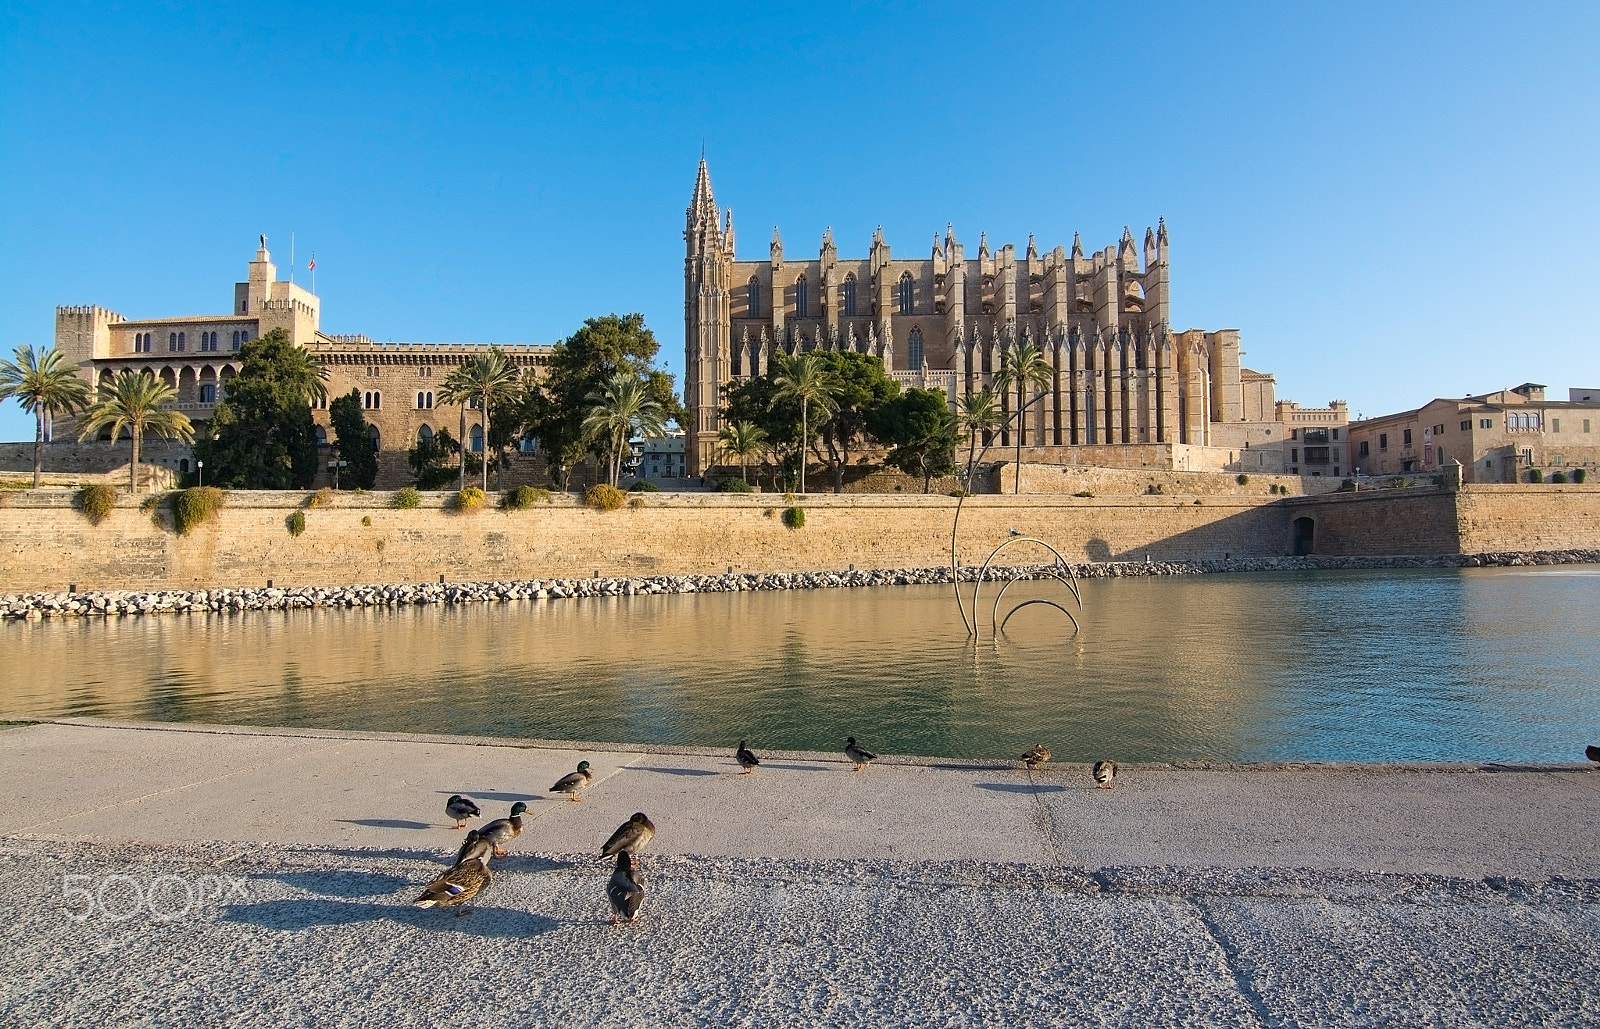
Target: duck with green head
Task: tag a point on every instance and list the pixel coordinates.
(573, 782)
(502, 831)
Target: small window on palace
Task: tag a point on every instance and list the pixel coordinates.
(1555, 425)
(425, 372)
(1466, 426)
(906, 288)
(424, 435)
(182, 346)
(372, 400)
(1586, 425)
(1383, 441)
(800, 297)
(208, 393)
(914, 350)
(1485, 423)
(477, 439)
(753, 297)
(1335, 433)
(172, 342)
(848, 300)
(1363, 451)
(1405, 437)
(424, 401)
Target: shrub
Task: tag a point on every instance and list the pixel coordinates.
(734, 484)
(644, 486)
(1196, 501)
(1558, 477)
(1083, 493)
(192, 507)
(295, 523)
(959, 493)
(97, 502)
(603, 497)
(1153, 489)
(794, 517)
(1535, 475)
(523, 497)
(1347, 486)
(321, 498)
(469, 499)
(366, 520)
(408, 499)
(635, 502)
(1242, 479)
(1398, 482)
(1580, 474)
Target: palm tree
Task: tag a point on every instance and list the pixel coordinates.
(45, 385)
(482, 381)
(623, 407)
(744, 441)
(134, 401)
(1022, 365)
(807, 379)
(977, 414)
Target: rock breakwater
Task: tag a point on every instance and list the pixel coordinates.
(116, 603)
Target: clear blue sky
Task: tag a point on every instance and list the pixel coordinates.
(1393, 202)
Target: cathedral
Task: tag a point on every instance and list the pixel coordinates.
(1121, 376)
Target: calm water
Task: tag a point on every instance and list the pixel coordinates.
(1366, 666)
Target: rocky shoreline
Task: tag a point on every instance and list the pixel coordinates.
(273, 598)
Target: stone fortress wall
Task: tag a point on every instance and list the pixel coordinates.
(46, 545)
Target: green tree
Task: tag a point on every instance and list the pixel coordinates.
(262, 435)
(353, 436)
(46, 386)
(807, 379)
(743, 440)
(136, 402)
(977, 415)
(1022, 365)
(622, 408)
(433, 460)
(921, 433)
(583, 364)
(482, 381)
(860, 387)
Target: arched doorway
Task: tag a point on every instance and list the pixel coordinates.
(1305, 539)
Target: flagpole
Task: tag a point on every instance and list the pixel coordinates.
(291, 256)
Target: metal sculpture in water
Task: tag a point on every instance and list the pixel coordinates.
(1059, 569)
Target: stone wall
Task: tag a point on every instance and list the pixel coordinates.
(1526, 517)
(45, 544)
(1416, 520)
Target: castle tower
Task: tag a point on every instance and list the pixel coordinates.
(708, 262)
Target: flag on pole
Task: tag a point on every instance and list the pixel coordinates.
(311, 265)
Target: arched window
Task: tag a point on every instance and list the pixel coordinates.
(914, 351)
(172, 342)
(208, 393)
(181, 345)
(372, 400)
(848, 300)
(424, 435)
(424, 401)
(800, 297)
(183, 465)
(372, 431)
(477, 439)
(236, 340)
(322, 436)
(754, 299)
(905, 293)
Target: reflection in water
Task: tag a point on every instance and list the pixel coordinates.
(1413, 665)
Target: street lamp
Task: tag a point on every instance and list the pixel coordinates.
(334, 466)
(200, 471)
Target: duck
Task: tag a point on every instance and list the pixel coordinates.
(631, 836)
(460, 884)
(746, 758)
(502, 831)
(1592, 752)
(1105, 774)
(624, 892)
(573, 782)
(857, 753)
(460, 809)
(1035, 756)
(474, 846)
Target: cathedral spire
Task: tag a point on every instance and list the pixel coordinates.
(727, 232)
(1161, 231)
(703, 206)
(777, 246)
(1077, 246)
(1126, 244)
(1033, 251)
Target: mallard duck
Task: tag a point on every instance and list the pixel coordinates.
(1105, 774)
(631, 836)
(457, 886)
(460, 809)
(624, 891)
(1036, 756)
(1592, 752)
(747, 759)
(859, 754)
(502, 831)
(573, 782)
(474, 846)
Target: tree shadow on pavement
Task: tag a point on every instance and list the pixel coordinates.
(1020, 787)
(672, 771)
(386, 823)
(342, 883)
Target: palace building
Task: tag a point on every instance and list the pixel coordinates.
(198, 354)
(1126, 389)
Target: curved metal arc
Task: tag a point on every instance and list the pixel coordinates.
(977, 586)
(1040, 600)
(1071, 581)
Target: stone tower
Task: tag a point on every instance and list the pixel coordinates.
(708, 261)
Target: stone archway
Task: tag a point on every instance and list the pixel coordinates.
(1305, 536)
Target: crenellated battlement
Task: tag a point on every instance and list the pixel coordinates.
(87, 311)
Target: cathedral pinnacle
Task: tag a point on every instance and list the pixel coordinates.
(983, 245)
(1077, 246)
(1161, 231)
(1033, 251)
(703, 206)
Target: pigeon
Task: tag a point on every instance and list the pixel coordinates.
(623, 891)
(1105, 774)
(1592, 752)
(502, 831)
(630, 837)
(460, 809)
(573, 782)
(746, 759)
(860, 755)
(1036, 756)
